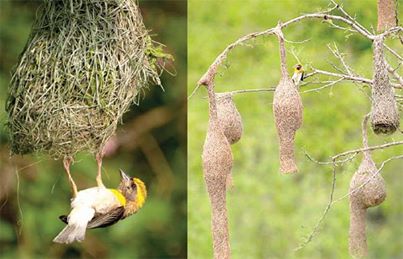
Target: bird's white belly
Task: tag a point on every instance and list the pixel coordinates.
(100, 199)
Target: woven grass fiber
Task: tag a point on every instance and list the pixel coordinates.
(84, 63)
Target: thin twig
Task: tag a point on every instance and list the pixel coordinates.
(393, 52)
(372, 177)
(340, 8)
(325, 212)
(330, 162)
(344, 76)
(393, 30)
(335, 51)
(295, 56)
(271, 89)
(395, 74)
(359, 150)
(322, 87)
(351, 154)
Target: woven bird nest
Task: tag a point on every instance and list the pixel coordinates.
(367, 189)
(85, 62)
(384, 111)
(217, 165)
(288, 113)
(229, 117)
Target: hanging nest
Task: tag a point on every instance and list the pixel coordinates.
(287, 107)
(385, 115)
(229, 117)
(217, 165)
(287, 111)
(85, 62)
(373, 192)
(367, 189)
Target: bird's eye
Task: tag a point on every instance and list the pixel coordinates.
(133, 186)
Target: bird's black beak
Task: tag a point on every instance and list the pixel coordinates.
(124, 176)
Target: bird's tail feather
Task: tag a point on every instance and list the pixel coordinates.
(70, 234)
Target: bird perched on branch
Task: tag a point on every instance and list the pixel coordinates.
(298, 75)
(98, 207)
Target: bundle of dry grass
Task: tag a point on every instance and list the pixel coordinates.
(83, 65)
(229, 117)
(384, 113)
(217, 165)
(287, 109)
(367, 189)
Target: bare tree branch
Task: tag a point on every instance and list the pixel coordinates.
(271, 89)
(342, 76)
(212, 70)
(325, 15)
(360, 150)
(395, 74)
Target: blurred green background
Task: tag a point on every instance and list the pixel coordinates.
(151, 145)
(270, 214)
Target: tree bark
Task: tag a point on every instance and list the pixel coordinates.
(387, 14)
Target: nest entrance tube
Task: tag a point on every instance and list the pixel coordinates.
(84, 63)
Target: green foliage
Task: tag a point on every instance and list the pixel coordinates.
(270, 214)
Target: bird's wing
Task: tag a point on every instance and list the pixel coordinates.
(101, 220)
(107, 219)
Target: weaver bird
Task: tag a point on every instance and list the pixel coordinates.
(98, 207)
(298, 74)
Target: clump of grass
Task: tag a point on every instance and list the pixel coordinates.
(84, 63)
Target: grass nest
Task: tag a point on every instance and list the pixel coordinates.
(85, 63)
